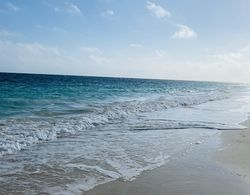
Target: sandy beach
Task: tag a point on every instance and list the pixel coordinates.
(209, 169)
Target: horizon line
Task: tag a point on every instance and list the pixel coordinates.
(120, 77)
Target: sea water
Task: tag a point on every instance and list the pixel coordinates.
(67, 134)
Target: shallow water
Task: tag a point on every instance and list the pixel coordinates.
(65, 134)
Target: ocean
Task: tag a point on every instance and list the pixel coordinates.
(67, 134)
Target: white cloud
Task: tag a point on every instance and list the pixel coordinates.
(69, 8)
(34, 57)
(236, 58)
(73, 9)
(184, 32)
(157, 10)
(10, 6)
(54, 28)
(231, 66)
(98, 59)
(160, 53)
(95, 55)
(108, 13)
(39, 58)
(92, 50)
(6, 33)
(136, 45)
(229, 57)
(57, 9)
(59, 29)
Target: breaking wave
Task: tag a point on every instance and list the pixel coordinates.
(18, 133)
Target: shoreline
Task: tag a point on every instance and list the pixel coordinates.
(206, 170)
(235, 154)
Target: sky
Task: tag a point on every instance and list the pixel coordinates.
(162, 39)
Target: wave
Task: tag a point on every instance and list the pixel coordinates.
(19, 133)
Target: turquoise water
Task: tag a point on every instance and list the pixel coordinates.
(67, 134)
(31, 95)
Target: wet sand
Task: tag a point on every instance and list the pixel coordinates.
(235, 155)
(216, 167)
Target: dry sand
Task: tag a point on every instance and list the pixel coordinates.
(207, 170)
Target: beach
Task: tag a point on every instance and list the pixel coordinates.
(235, 154)
(207, 170)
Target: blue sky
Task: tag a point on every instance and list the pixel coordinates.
(168, 39)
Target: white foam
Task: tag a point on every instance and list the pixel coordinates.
(107, 173)
(21, 133)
